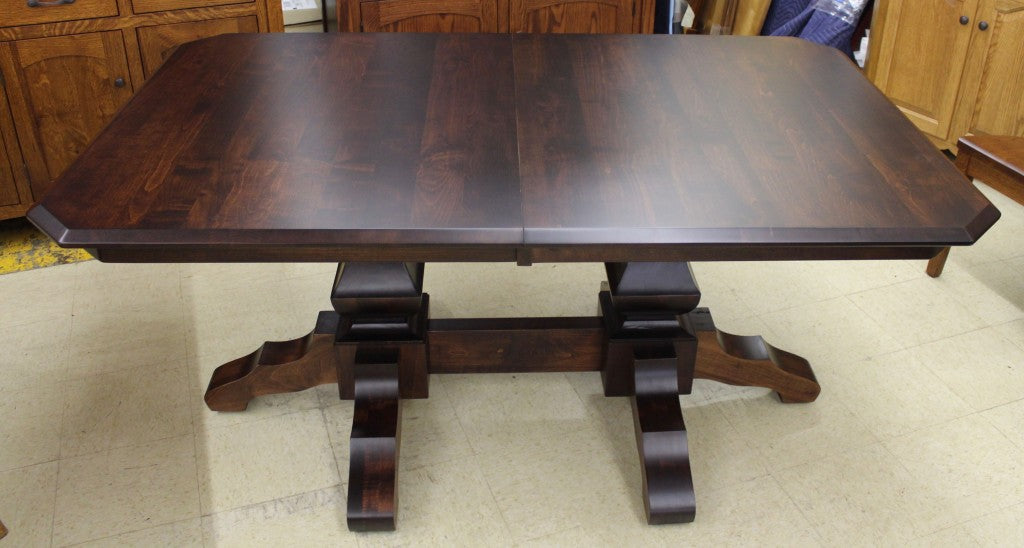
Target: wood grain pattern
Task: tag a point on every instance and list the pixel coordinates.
(429, 16)
(143, 6)
(14, 186)
(131, 21)
(619, 150)
(18, 12)
(374, 447)
(157, 43)
(662, 443)
(574, 16)
(65, 87)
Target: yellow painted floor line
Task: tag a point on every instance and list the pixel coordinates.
(22, 247)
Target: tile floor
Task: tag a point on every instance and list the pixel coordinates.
(917, 438)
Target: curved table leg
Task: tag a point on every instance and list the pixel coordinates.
(376, 431)
(276, 367)
(750, 361)
(661, 441)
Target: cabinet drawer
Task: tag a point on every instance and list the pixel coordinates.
(30, 12)
(146, 6)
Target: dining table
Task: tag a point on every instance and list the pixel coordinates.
(384, 152)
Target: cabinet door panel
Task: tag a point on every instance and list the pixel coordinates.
(430, 16)
(921, 59)
(69, 87)
(572, 16)
(1000, 101)
(8, 186)
(158, 42)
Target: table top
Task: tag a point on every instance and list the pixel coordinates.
(266, 147)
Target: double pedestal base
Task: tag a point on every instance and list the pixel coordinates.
(649, 344)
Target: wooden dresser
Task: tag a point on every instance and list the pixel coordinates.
(952, 67)
(549, 16)
(66, 66)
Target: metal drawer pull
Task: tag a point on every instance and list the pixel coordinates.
(39, 4)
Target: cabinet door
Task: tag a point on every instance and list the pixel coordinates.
(158, 42)
(574, 16)
(921, 59)
(997, 107)
(429, 16)
(8, 185)
(15, 195)
(63, 90)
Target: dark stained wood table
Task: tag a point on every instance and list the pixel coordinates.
(385, 151)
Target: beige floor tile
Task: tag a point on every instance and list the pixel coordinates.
(445, 504)
(1013, 332)
(791, 434)
(1001, 528)
(504, 411)
(181, 534)
(36, 295)
(431, 433)
(953, 537)
(114, 340)
(236, 323)
(829, 332)
(992, 291)
(34, 353)
(92, 273)
(263, 460)
(203, 281)
(1002, 240)
(157, 293)
(26, 504)
(1009, 419)
(966, 468)
(125, 490)
(766, 287)
(896, 394)
(857, 276)
(316, 518)
(125, 408)
(30, 425)
(855, 498)
(982, 367)
(543, 490)
(917, 312)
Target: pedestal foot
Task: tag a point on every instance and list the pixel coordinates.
(750, 361)
(661, 442)
(376, 430)
(276, 367)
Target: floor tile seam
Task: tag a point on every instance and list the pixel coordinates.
(253, 422)
(958, 523)
(807, 519)
(207, 516)
(1018, 445)
(121, 447)
(115, 535)
(981, 321)
(342, 477)
(79, 373)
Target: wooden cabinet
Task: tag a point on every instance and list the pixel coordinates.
(429, 16)
(574, 16)
(67, 67)
(558, 16)
(952, 67)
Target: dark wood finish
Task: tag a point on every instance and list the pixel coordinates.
(429, 16)
(996, 160)
(750, 361)
(3, 530)
(515, 345)
(15, 193)
(376, 434)
(602, 163)
(661, 441)
(276, 367)
(157, 43)
(612, 158)
(66, 89)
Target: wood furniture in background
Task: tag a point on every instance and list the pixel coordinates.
(67, 67)
(3, 530)
(547, 16)
(597, 148)
(952, 67)
(997, 161)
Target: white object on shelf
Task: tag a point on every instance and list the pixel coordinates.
(301, 11)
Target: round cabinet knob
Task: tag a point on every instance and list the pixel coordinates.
(983, 25)
(119, 83)
(964, 19)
